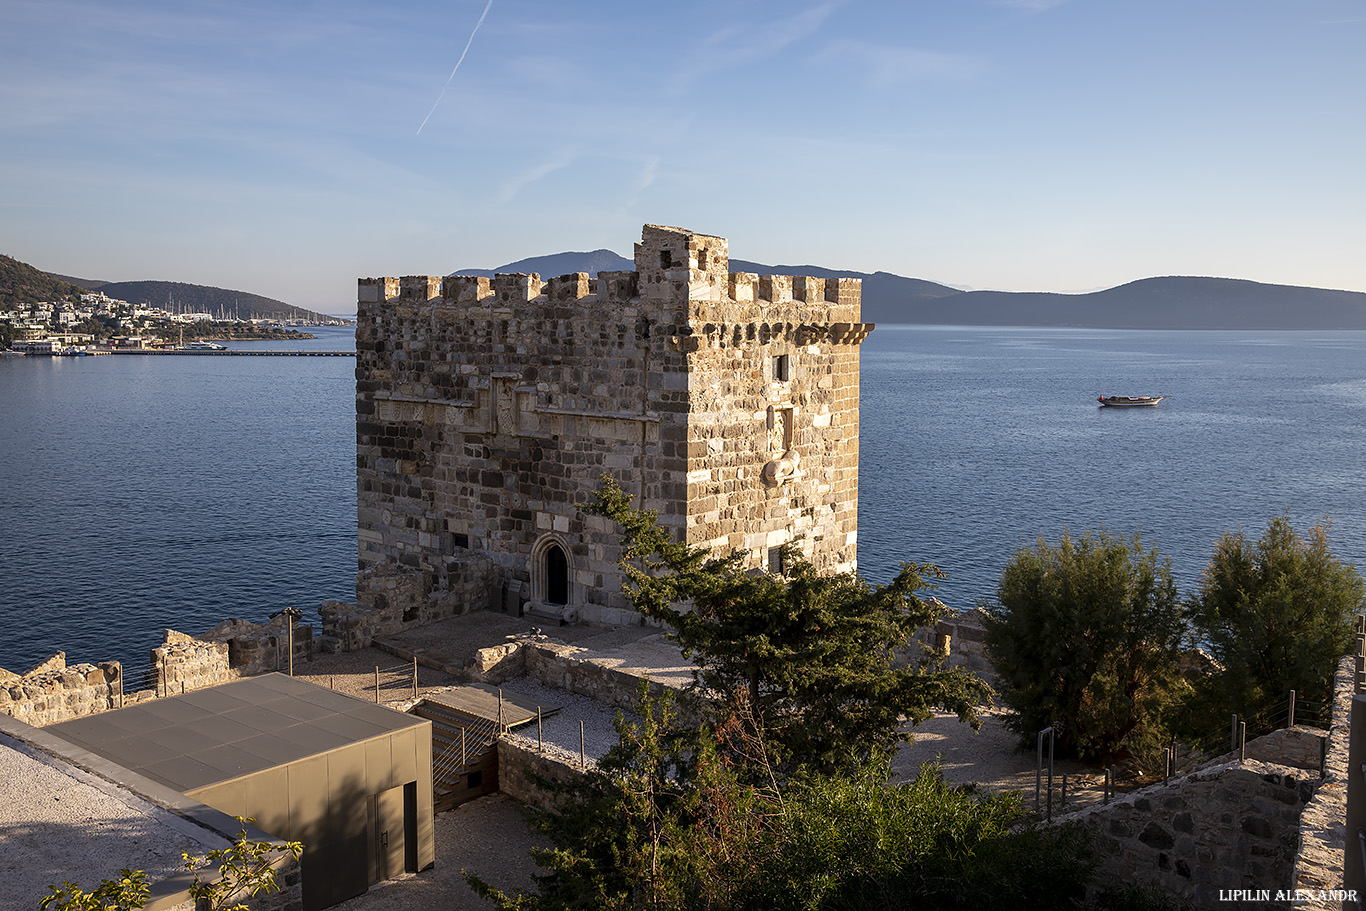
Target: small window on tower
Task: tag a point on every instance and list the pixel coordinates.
(782, 368)
(461, 542)
(666, 259)
(775, 561)
(701, 259)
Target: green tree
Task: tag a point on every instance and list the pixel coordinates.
(665, 822)
(1086, 636)
(818, 661)
(242, 870)
(1277, 615)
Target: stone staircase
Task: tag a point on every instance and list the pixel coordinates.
(464, 754)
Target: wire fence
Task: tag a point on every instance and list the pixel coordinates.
(1064, 792)
(396, 682)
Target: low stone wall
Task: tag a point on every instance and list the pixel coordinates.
(518, 759)
(1323, 824)
(391, 598)
(966, 640)
(183, 663)
(260, 648)
(1222, 827)
(1298, 747)
(571, 668)
(53, 692)
(497, 663)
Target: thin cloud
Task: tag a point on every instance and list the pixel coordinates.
(747, 43)
(488, 6)
(888, 65)
(519, 182)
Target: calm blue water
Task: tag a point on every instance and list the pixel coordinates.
(976, 441)
(140, 493)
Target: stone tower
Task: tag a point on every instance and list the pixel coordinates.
(487, 411)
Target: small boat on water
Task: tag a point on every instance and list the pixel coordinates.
(1129, 401)
(203, 346)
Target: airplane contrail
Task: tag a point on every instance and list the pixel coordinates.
(488, 6)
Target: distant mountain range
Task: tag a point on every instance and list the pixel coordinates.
(1170, 302)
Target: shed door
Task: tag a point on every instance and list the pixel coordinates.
(388, 835)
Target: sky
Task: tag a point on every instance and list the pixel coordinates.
(289, 147)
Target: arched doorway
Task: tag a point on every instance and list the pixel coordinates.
(556, 575)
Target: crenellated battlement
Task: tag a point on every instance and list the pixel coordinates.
(506, 289)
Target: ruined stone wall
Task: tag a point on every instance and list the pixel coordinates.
(52, 691)
(966, 642)
(1229, 826)
(260, 648)
(182, 663)
(392, 597)
(572, 669)
(487, 412)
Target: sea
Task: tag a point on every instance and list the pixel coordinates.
(139, 493)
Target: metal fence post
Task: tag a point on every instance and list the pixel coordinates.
(1038, 766)
(1242, 741)
(414, 677)
(1292, 710)
(1353, 868)
(376, 684)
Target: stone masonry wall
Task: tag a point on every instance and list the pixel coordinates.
(518, 760)
(183, 663)
(260, 648)
(392, 597)
(487, 412)
(53, 692)
(967, 641)
(1229, 826)
(570, 668)
(1323, 824)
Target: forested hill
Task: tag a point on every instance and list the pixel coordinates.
(21, 283)
(182, 297)
(1172, 302)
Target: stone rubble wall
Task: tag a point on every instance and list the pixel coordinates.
(566, 667)
(1228, 826)
(53, 692)
(1323, 824)
(260, 648)
(572, 669)
(967, 642)
(1298, 747)
(182, 663)
(518, 761)
(392, 597)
